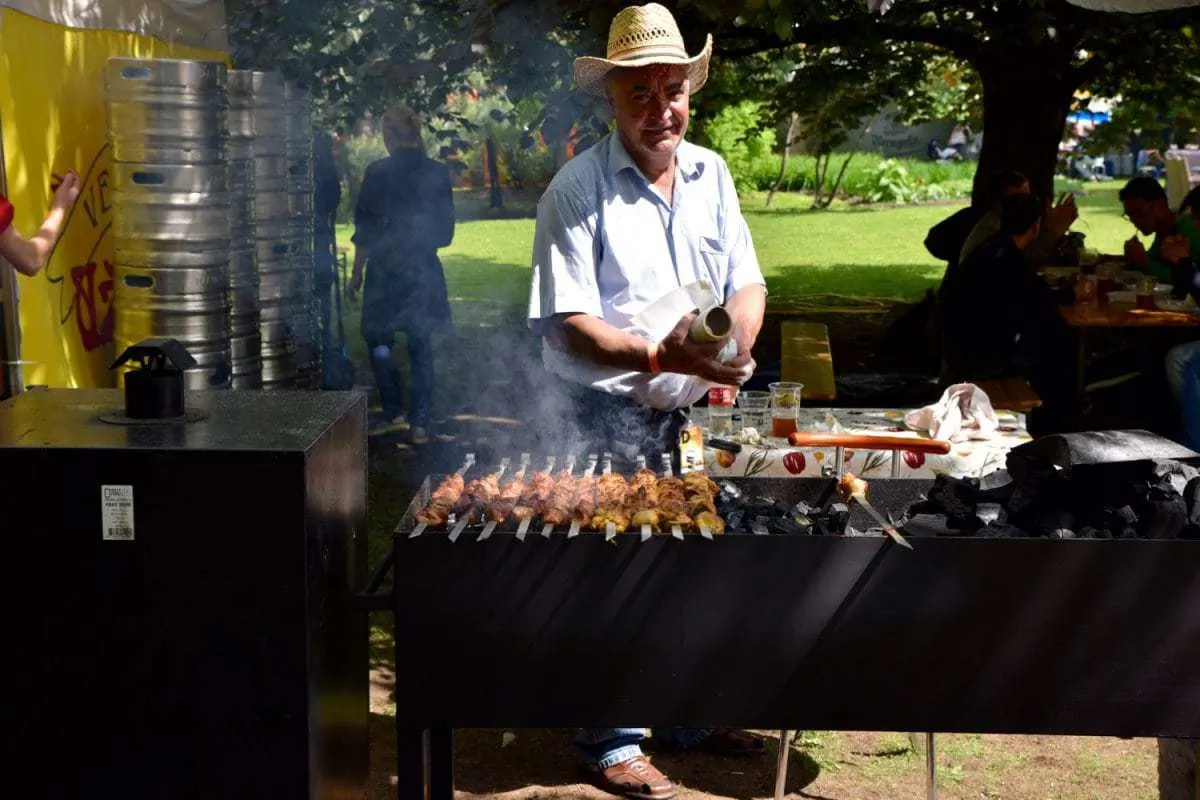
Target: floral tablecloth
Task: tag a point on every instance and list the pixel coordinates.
(776, 459)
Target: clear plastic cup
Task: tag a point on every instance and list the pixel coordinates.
(785, 408)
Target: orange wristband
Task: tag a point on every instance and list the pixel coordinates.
(652, 353)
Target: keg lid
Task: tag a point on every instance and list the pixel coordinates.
(154, 390)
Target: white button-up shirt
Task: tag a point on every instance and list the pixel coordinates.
(609, 245)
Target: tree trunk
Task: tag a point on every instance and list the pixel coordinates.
(1027, 94)
(493, 170)
(783, 158)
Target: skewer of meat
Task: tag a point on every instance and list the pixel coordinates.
(612, 492)
(671, 501)
(476, 496)
(536, 494)
(443, 500)
(584, 503)
(502, 506)
(643, 499)
(701, 495)
(557, 509)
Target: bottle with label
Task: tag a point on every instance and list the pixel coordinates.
(691, 448)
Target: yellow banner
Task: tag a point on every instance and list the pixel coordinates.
(52, 110)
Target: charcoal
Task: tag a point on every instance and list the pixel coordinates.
(729, 492)
(734, 519)
(783, 508)
(923, 525)
(1191, 496)
(760, 507)
(1062, 533)
(1178, 474)
(1127, 515)
(1129, 533)
(801, 509)
(839, 516)
(1056, 519)
(759, 525)
(1088, 532)
(989, 513)
(786, 526)
(1165, 516)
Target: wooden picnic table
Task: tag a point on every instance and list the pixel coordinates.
(1115, 316)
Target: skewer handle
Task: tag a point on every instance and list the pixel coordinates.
(645, 533)
(522, 529)
(547, 529)
(574, 531)
(487, 531)
(610, 532)
(417, 531)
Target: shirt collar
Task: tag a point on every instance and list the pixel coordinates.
(685, 159)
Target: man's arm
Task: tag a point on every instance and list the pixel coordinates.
(594, 340)
(747, 307)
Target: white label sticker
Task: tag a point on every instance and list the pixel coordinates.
(116, 507)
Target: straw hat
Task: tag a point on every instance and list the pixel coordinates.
(638, 37)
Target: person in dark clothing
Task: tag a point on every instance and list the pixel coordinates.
(1000, 319)
(327, 195)
(1183, 361)
(404, 214)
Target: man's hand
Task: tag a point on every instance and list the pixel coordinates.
(353, 287)
(1060, 218)
(1135, 252)
(678, 353)
(1176, 248)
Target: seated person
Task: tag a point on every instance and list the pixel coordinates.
(1145, 203)
(1000, 319)
(1056, 222)
(1183, 362)
(946, 239)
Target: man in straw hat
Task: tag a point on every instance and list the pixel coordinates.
(634, 236)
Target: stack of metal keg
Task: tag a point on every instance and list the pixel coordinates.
(245, 339)
(168, 131)
(300, 207)
(259, 100)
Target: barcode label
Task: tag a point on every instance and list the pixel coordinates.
(116, 513)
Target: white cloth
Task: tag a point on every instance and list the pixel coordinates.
(607, 244)
(964, 412)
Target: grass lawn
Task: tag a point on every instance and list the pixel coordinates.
(860, 251)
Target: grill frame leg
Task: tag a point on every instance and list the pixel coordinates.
(781, 765)
(441, 764)
(930, 767)
(411, 776)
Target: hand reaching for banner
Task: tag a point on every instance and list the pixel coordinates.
(66, 190)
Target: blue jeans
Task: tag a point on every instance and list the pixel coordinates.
(606, 747)
(1183, 376)
(391, 385)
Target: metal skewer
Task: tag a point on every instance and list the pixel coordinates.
(491, 526)
(523, 528)
(587, 473)
(467, 464)
(667, 472)
(470, 513)
(888, 528)
(547, 529)
(646, 531)
(610, 528)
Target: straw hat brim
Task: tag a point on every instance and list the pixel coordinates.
(591, 72)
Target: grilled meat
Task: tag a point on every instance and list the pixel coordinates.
(499, 510)
(612, 492)
(536, 495)
(585, 499)
(558, 509)
(713, 522)
(437, 512)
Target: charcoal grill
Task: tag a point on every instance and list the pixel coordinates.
(1022, 636)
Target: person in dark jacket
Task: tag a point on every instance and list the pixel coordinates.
(1183, 361)
(327, 195)
(1000, 318)
(404, 214)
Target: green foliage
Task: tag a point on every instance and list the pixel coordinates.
(869, 177)
(355, 154)
(951, 90)
(741, 135)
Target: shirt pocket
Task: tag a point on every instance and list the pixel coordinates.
(715, 255)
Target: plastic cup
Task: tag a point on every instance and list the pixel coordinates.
(785, 408)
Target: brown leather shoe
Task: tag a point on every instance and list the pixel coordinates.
(636, 779)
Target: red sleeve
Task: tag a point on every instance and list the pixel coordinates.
(6, 213)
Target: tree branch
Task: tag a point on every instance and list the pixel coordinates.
(958, 43)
